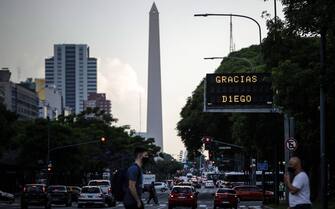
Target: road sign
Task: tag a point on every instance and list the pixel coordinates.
(233, 92)
(262, 166)
(291, 144)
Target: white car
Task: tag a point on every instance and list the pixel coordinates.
(105, 186)
(161, 186)
(209, 184)
(91, 195)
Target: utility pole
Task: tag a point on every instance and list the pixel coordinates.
(323, 159)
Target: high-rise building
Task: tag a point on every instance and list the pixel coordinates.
(98, 100)
(18, 98)
(154, 111)
(73, 72)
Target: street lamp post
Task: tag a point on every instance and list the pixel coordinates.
(236, 15)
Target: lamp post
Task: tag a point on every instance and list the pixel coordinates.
(238, 58)
(236, 15)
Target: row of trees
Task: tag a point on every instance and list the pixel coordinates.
(291, 52)
(24, 144)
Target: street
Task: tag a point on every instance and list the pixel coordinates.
(205, 201)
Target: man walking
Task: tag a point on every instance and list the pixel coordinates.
(152, 194)
(299, 191)
(133, 192)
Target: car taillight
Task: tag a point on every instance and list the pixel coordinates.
(43, 189)
(191, 196)
(110, 190)
(24, 189)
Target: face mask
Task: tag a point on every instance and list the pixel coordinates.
(145, 160)
(291, 169)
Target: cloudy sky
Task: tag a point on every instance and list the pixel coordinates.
(117, 34)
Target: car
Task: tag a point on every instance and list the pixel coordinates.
(250, 192)
(106, 189)
(59, 195)
(225, 198)
(209, 184)
(186, 183)
(91, 195)
(161, 186)
(183, 196)
(196, 184)
(6, 197)
(75, 192)
(35, 194)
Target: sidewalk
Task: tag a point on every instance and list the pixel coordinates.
(315, 205)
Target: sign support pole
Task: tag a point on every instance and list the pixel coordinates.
(292, 127)
(286, 152)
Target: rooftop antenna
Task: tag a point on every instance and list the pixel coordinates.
(231, 45)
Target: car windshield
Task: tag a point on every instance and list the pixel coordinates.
(34, 188)
(99, 183)
(181, 190)
(56, 189)
(229, 191)
(90, 190)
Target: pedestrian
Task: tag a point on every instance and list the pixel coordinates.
(133, 191)
(299, 190)
(281, 190)
(152, 194)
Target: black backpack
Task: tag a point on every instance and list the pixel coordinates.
(120, 183)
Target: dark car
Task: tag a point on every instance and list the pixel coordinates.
(59, 195)
(75, 192)
(249, 192)
(6, 197)
(183, 196)
(225, 198)
(35, 194)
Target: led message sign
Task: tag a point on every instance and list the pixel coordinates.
(238, 91)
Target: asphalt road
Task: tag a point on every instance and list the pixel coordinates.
(205, 201)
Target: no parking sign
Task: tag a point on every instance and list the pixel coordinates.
(291, 144)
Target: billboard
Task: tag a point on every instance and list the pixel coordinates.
(238, 92)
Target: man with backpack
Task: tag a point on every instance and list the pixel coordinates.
(133, 189)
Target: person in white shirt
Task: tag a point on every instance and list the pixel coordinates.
(299, 191)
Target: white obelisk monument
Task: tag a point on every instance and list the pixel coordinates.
(154, 111)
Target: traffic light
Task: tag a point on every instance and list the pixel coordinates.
(49, 167)
(103, 140)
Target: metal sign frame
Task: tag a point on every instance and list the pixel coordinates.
(237, 110)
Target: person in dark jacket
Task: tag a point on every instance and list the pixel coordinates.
(152, 194)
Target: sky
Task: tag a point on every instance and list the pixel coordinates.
(117, 33)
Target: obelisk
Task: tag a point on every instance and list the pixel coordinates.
(154, 107)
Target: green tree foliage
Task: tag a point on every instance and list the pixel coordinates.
(165, 167)
(7, 120)
(29, 142)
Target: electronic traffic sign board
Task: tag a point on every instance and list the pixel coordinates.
(238, 92)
